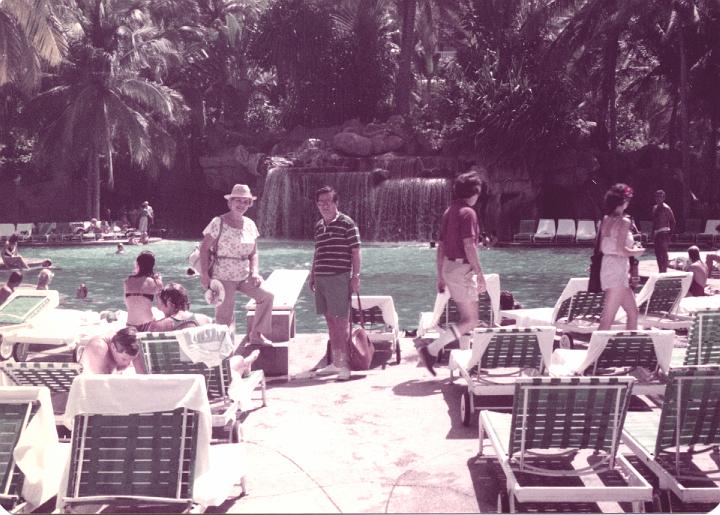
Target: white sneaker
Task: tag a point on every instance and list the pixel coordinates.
(344, 374)
(328, 370)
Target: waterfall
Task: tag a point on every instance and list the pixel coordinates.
(394, 210)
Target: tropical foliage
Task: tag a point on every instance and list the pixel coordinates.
(104, 87)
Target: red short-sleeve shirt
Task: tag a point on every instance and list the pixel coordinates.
(458, 222)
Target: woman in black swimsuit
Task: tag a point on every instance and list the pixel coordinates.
(140, 291)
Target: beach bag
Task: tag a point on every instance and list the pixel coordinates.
(595, 264)
(360, 349)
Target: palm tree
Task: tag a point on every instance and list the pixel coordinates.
(30, 34)
(103, 102)
(405, 81)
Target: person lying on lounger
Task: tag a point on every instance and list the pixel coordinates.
(174, 302)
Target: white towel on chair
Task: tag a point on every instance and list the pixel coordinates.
(208, 344)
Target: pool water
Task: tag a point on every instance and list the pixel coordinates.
(535, 276)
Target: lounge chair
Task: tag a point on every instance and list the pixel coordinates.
(41, 232)
(166, 353)
(659, 300)
(693, 227)
(586, 232)
(526, 231)
(6, 230)
(545, 231)
(703, 339)
(144, 440)
(24, 231)
(565, 231)
(642, 354)
(710, 235)
(18, 311)
(446, 311)
(380, 321)
(498, 357)
(576, 312)
(56, 377)
(31, 459)
(680, 444)
(557, 425)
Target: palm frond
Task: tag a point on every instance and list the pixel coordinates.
(156, 98)
(43, 31)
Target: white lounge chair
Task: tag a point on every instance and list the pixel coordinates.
(146, 439)
(545, 232)
(17, 312)
(31, 458)
(565, 231)
(710, 234)
(680, 444)
(526, 231)
(24, 231)
(286, 286)
(6, 230)
(380, 319)
(560, 428)
(499, 356)
(444, 311)
(642, 354)
(586, 232)
(659, 300)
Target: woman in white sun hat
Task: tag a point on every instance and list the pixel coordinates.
(231, 239)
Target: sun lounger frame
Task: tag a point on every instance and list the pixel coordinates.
(701, 384)
(58, 377)
(377, 329)
(101, 442)
(660, 310)
(511, 353)
(14, 418)
(162, 355)
(542, 418)
(704, 339)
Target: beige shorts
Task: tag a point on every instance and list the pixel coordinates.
(461, 281)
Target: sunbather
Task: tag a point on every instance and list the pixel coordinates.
(699, 271)
(10, 255)
(174, 302)
(140, 291)
(113, 355)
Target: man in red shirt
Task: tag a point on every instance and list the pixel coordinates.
(458, 266)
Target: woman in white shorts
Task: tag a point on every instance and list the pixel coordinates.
(618, 246)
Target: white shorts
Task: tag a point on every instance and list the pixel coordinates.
(614, 272)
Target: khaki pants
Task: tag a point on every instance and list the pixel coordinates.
(225, 312)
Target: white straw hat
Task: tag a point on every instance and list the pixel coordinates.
(240, 191)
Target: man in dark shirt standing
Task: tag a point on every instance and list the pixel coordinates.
(335, 275)
(663, 225)
(458, 266)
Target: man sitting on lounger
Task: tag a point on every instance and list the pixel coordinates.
(699, 271)
(113, 355)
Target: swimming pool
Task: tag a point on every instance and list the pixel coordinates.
(536, 276)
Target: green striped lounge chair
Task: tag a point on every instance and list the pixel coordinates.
(703, 339)
(163, 355)
(499, 356)
(559, 429)
(659, 300)
(58, 377)
(680, 444)
(14, 418)
(645, 355)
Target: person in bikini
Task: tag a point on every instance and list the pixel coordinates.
(173, 301)
(140, 290)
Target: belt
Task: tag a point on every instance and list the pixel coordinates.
(459, 260)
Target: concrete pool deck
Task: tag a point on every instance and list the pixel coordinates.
(387, 441)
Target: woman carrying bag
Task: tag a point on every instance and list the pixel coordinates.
(617, 245)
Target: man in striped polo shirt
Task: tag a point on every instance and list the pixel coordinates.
(335, 275)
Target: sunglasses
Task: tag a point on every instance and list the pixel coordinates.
(131, 351)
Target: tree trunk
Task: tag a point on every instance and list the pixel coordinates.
(404, 81)
(608, 109)
(93, 186)
(684, 128)
(712, 142)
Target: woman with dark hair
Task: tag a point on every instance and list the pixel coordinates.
(458, 266)
(617, 245)
(140, 291)
(10, 255)
(174, 302)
